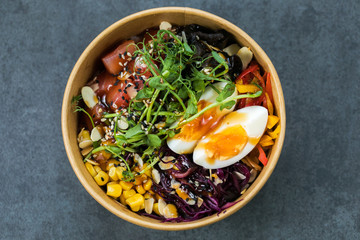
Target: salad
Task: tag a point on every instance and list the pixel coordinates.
(177, 123)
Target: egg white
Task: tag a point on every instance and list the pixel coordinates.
(254, 124)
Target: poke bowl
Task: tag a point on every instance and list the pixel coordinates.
(173, 118)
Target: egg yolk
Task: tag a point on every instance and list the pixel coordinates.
(198, 127)
(225, 144)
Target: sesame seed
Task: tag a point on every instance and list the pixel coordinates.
(123, 98)
(129, 54)
(116, 82)
(119, 90)
(120, 63)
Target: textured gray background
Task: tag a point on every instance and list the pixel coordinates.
(314, 193)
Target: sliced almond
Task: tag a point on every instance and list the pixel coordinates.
(86, 151)
(85, 144)
(161, 206)
(170, 211)
(167, 159)
(123, 123)
(191, 202)
(89, 96)
(165, 166)
(155, 175)
(96, 134)
(174, 184)
(245, 55)
(92, 162)
(253, 175)
(239, 175)
(139, 160)
(232, 49)
(165, 25)
(149, 204)
(199, 201)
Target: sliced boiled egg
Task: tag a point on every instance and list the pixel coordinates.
(232, 139)
(190, 134)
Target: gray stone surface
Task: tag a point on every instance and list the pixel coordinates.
(314, 193)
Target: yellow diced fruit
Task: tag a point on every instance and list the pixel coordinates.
(247, 88)
(140, 189)
(90, 169)
(266, 140)
(111, 164)
(123, 199)
(135, 202)
(126, 185)
(274, 134)
(101, 178)
(129, 194)
(147, 185)
(272, 120)
(97, 169)
(112, 174)
(142, 205)
(170, 211)
(156, 209)
(114, 190)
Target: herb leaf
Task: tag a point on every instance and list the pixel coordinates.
(226, 92)
(133, 131)
(154, 140)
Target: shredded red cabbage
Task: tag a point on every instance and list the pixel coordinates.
(216, 195)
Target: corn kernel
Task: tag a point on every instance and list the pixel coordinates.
(140, 179)
(123, 199)
(112, 174)
(90, 169)
(126, 185)
(129, 194)
(110, 163)
(97, 169)
(114, 190)
(151, 192)
(135, 202)
(156, 208)
(140, 189)
(170, 211)
(101, 178)
(147, 172)
(147, 195)
(142, 205)
(119, 171)
(147, 185)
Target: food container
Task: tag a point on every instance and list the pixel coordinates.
(90, 61)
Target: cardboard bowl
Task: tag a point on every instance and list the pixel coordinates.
(89, 62)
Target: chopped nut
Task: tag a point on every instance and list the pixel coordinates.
(85, 144)
(89, 96)
(155, 175)
(96, 134)
(149, 204)
(165, 25)
(86, 151)
(122, 123)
